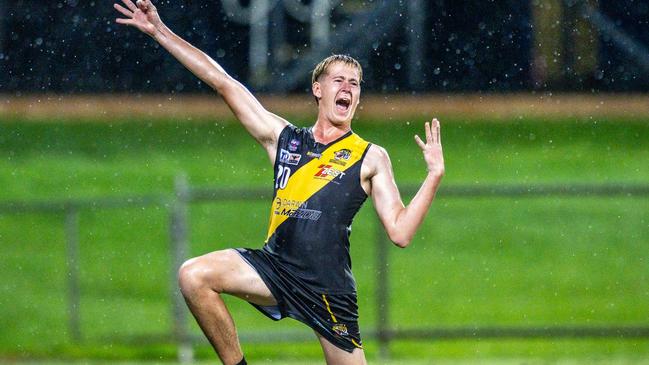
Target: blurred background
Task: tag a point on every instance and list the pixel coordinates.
(271, 45)
(116, 164)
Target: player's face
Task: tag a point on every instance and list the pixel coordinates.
(339, 92)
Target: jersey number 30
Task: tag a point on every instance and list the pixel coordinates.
(283, 174)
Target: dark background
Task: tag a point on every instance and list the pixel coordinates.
(75, 47)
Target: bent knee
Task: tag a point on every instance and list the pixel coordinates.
(203, 272)
(189, 275)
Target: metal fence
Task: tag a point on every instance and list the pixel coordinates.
(384, 333)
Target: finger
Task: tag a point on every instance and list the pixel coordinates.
(438, 131)
(129, 4)
(125, 21)
(123, 10)
(434, 126)
(429, 137)
(421, 143)
(143, 5)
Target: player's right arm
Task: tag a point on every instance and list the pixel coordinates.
(263, 125)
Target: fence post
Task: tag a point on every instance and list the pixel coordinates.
(179, 252)
(258, 48)
(72, 259)
(382, 292)
(415, 30)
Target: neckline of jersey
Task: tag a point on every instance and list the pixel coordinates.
(325, 146)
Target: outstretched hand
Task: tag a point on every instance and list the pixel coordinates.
(432, 149)
(143, 15)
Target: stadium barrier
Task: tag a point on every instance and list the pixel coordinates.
(184, 195)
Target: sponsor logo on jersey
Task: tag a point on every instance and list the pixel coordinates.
(293, 145)
(295, 209)
(288, 157)
(329, 173)
(313, 154)
(310, 214)
(340, 329)
(289, 203)
(341, 157)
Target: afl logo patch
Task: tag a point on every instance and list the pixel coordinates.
(293, 145)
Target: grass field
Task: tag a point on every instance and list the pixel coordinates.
(498, 361)
(476, 261)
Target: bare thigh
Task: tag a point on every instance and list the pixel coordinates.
(338, 356)
(227, 272)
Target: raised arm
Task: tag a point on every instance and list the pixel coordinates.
(264, 126)
(401, 222)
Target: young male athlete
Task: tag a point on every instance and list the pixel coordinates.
(322, 176)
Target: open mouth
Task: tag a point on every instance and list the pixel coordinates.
(343, 104)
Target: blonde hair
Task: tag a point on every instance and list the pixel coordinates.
(321, 68)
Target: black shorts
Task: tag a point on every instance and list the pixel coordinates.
(333, 316)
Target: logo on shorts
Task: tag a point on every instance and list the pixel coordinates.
(340, 329)
(288, 157)
(341, 157)
(293, 145)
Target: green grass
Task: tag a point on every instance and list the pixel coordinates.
(475, 262)
(496, 361)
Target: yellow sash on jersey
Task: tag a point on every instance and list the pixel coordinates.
(315, 175)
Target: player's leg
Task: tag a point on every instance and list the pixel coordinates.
(337, 356)
(202, 281)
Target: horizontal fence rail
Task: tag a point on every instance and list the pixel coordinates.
(178, 203)
(203, 194)
(62, 205)
(520, 332)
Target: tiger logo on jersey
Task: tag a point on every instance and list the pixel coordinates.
(341, 157)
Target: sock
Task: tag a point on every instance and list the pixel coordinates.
(243, 361)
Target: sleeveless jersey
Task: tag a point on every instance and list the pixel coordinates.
(317, 194)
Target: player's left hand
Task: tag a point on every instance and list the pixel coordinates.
(432, 149)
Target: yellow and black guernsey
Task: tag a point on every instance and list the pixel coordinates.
(305, 261)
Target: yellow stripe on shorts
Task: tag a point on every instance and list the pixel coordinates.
(333, 318)
(356, 344)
